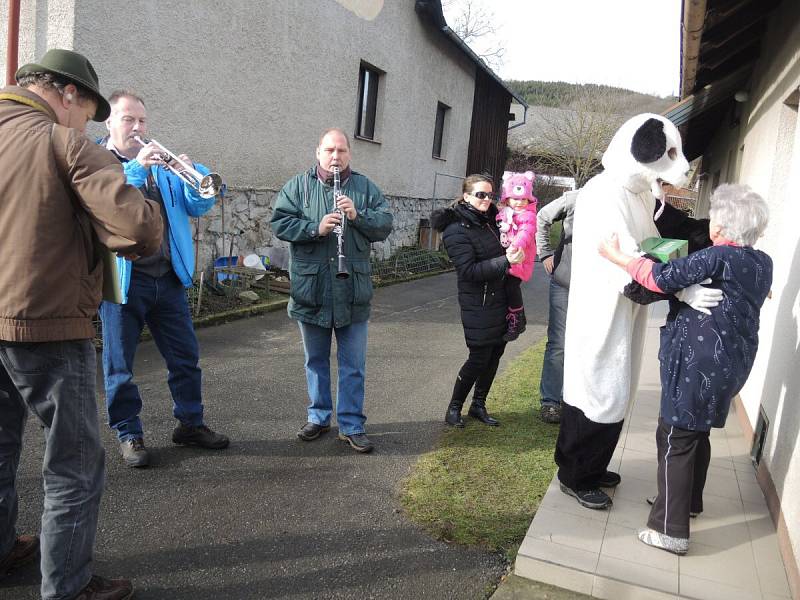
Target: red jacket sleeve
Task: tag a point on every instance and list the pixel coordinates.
(641, 270)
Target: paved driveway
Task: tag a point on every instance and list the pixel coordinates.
(274, 517)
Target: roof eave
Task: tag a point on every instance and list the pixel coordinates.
(432, 9)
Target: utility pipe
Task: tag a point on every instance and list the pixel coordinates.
(12, 44)
(694, 15)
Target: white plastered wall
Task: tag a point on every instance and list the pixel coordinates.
(247, 87)
(43, 24)
(765, 150)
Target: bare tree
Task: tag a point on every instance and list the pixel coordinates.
(572, 141)
(569, 139)
(473, 23)
(548, 187)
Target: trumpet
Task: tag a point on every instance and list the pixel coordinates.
(341, 270)
(207, 186)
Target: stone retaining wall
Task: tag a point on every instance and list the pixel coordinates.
(247, 216)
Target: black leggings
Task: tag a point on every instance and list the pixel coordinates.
(479, 370)
(513, 287)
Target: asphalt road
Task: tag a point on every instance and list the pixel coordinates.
(271, 516)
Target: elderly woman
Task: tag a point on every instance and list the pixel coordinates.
(472, 241)
(705, 359)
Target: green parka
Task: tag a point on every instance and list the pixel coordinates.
(317, 296)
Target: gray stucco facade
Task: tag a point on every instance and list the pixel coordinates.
(246, 88)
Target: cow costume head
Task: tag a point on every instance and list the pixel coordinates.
(645, 151)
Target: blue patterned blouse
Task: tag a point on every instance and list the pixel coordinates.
(706, 359)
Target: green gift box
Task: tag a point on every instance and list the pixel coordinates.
(665, 249)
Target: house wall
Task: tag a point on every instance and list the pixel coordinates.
(43, 24)
(246, 88)
(764, 152)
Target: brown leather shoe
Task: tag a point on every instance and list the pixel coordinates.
(100, 588)
(24, 550)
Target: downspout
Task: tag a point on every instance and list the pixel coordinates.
(692, 21)
(12, 44)
(524, 117)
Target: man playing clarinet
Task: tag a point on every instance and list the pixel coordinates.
(327, 298)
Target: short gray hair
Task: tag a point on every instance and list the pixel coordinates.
(334, 130)
(117, 94)
(740, 212)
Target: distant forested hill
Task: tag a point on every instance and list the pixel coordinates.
(560, 94)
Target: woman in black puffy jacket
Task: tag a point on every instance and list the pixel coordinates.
(472, 241)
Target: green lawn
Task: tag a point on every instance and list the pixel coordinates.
(482, 485)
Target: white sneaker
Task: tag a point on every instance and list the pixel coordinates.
(666, 542)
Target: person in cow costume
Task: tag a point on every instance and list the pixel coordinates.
(605, 327)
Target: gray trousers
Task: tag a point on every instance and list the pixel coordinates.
(55, 381)
(683, 458)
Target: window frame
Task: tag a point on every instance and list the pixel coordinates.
(440, 130)
(368, 102)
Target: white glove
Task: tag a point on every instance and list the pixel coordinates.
(699, 297)
(515, 256)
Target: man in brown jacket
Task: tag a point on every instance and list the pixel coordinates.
(61, 195)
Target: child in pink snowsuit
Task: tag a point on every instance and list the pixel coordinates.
(516, 218)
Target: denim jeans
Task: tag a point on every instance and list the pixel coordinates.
(351, 355)
(161, 303)
(551, 388)
(55, 381)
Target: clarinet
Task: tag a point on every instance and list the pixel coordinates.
(341, 268)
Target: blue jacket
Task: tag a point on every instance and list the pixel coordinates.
(180, 202)
(706, 359)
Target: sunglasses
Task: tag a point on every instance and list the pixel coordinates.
(484, 195)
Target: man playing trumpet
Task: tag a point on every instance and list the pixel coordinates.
(323, 301)
(153, 290)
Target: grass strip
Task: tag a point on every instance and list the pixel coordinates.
(482, 485)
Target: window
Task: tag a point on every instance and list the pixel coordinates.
(368, 79)
(439, 130)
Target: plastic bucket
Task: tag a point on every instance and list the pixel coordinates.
(254, 261)
(226, 261)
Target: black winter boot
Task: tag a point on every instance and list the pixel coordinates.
(477, 409)
(453, 416)
(460, 392)
(516, 324)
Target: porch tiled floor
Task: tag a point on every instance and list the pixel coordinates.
(733, 552)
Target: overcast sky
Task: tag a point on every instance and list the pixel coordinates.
(633, 44)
